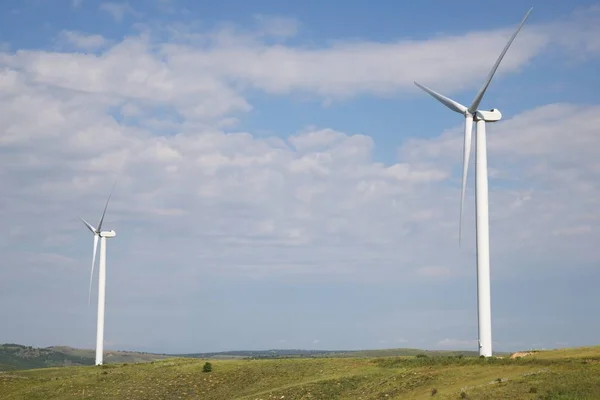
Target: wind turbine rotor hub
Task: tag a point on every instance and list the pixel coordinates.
(492, 115)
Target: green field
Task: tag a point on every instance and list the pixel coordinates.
(556, 374)
(16, 356)
(19, 357)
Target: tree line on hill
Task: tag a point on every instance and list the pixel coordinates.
(15, 356)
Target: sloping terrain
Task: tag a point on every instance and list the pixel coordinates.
(15, 356)
(561, 374)
(291, 353)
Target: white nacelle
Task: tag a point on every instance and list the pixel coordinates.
(108, 234)
(488, 116)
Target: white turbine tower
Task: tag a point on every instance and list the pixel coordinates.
(481, 192)
(103, 235)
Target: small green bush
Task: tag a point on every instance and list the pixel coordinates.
(207, 367)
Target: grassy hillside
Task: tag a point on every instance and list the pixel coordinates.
(15, 356)
(110, 356)
(405, 352)
(260, 354)
(562, 374)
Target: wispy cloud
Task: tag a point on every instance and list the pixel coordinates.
(276, 26)
(83, 41)
(119, 10)
(326, 180)
(210, 199)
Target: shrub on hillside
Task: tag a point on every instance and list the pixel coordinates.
(207, 367)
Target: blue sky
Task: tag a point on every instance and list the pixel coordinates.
(281, 181)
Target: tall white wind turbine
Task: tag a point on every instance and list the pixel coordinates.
(481, 192)
(103, 235)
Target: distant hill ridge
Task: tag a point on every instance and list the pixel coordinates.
(551, 374)
(15, 356)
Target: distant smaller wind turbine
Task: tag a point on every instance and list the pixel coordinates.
(473, 113)
(103, 235)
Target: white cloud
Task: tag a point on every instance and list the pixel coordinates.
(207, 77)
(346, 69)
(130, 70)
(119, 10)
(313, 203)
(199, 199)
(83, 41)
(248, 191)
(276, 26)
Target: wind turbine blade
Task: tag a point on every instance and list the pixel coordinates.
(481, 92)
(89, 226)
(93, 262)
(451, 104)
(466, 154)
(106, 206)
